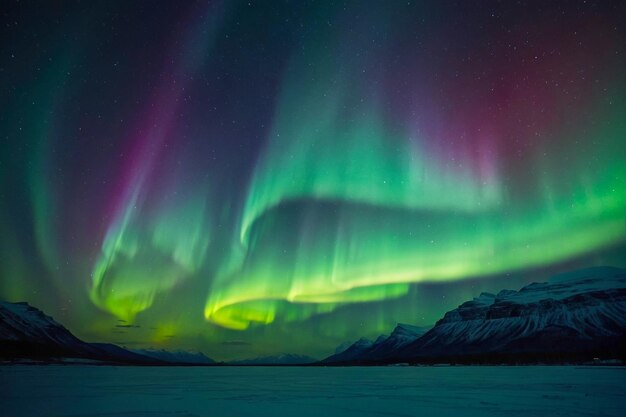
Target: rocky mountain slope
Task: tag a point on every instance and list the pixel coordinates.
(383, 348)
(576, 316)
(27, 333)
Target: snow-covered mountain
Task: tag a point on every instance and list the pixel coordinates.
(582, 311)
(352, 353)
(401, 336)
(27, 333)
(384, 347)
(575, 316)
(179, 356)
(282, 359)
(27, 329)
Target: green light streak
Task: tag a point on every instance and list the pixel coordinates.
(319, 149)
(335, 215)
(142, 258)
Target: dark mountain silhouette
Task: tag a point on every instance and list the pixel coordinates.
(27, 333)
(575, 317)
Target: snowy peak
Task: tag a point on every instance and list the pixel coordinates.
(568, 284)
(604, 280)
(470, 310)
(385, 346)
(26, 332)
(353, 352)
(574, 316)
(407, 330)
(20, 322)
(583, 313)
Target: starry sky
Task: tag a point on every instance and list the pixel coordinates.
(255, 177)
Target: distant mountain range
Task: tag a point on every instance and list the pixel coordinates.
(577, 316)
(282, 359)
(27, 333)
(382, 348)
(178, 356)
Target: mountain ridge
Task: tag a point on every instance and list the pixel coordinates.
(577, 316)
(574, 317)
(28, 333)
(281, 359)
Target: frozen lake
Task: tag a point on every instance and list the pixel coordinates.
(262, 391)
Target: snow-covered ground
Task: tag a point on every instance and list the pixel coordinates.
(262, 391)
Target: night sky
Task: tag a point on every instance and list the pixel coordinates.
(249, 178)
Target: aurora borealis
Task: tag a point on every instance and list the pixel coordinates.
(246, 178)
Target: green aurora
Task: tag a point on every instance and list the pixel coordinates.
(247, 189)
